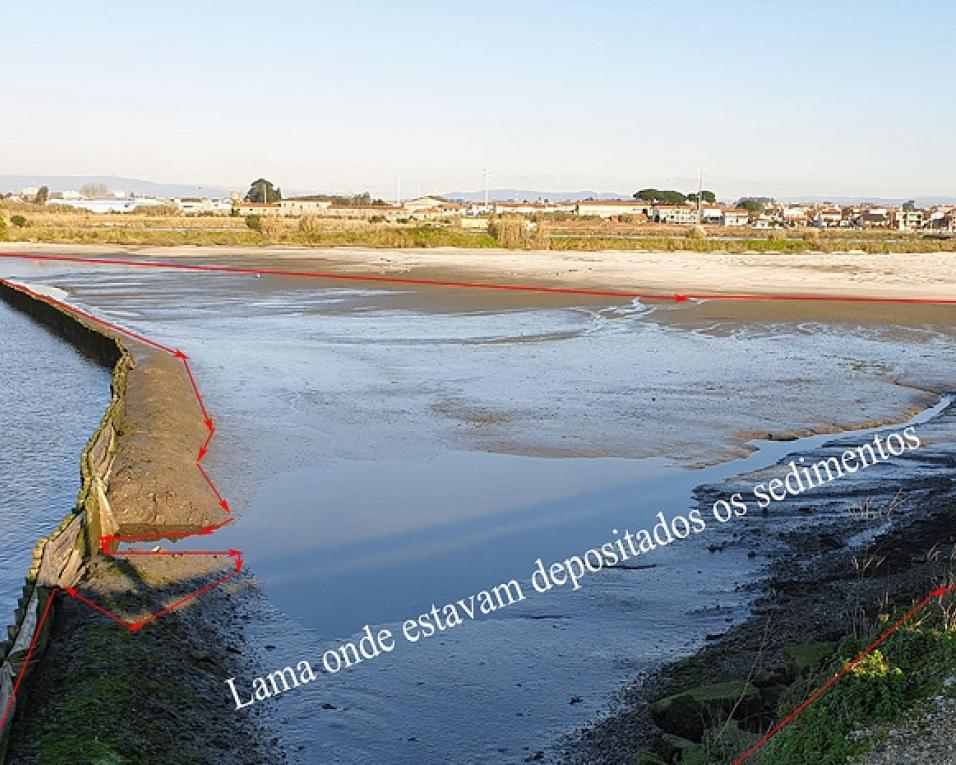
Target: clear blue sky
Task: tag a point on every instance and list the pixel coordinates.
(849, 98)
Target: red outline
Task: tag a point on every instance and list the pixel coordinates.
(109, 544)
(676, 297)
(26, 660)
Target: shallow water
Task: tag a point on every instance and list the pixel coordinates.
(51, 400)
(384, 458)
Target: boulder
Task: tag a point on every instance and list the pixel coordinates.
(689, 713)
(649, 758)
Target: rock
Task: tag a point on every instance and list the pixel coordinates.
(674, 748)
(731, 735)
(690, 713)
(648, 758)
(806, 657)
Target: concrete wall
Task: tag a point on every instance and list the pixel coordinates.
(59, 558)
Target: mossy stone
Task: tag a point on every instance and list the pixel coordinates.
(689, 713)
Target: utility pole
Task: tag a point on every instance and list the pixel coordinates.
(485, 171)
(398, 191)
(700, 193)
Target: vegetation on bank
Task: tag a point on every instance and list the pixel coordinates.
(24, 222)
(882, 688)
(714, 725)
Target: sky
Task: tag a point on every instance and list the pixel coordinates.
(777, 99)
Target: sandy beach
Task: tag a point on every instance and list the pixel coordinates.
(924, 276)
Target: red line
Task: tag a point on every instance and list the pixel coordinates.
(212, 486)
(464, 284)
(205, 447)
(26, 660)
(158, 535)
(73, 309)
(192, 380)
(108, 542)
(73, 593)
(441, 283)
(174, 553)
(181, 602)
(842, 673)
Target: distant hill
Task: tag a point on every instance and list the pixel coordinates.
(527, 195)
(14, 183)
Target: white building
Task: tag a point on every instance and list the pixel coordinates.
(102, 206)
(304, 206)
(532, 208)
(424, 203)
(612, 208)
(674, 214)
(735, 218)
(906, 220)
(196, 206)
(828, 217)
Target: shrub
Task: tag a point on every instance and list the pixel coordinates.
(271, 226)
(3, 228)
(19, 221)
(509, 231)
(254, 222)
(310, 226)
(697, 232)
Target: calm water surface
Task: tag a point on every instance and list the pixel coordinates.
(385, 457)
(51, 400)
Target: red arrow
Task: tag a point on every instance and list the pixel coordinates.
(204, 449)
(71, 591)
(202, 404)
(681, 298)
(222, 502)
(180, 355)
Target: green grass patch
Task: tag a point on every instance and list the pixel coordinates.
(909, 667)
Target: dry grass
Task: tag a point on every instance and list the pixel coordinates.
(61, 224)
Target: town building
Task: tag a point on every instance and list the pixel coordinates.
(297, 206)
(906, 220)
(828, 217)
(613, 208)
(244, 208)
(735, 218)
(683, 215)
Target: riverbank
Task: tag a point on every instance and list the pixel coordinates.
(102, 693)
(857, 275)
(63, 225)
(841, 569)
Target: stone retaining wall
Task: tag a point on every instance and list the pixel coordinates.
(59, 558)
